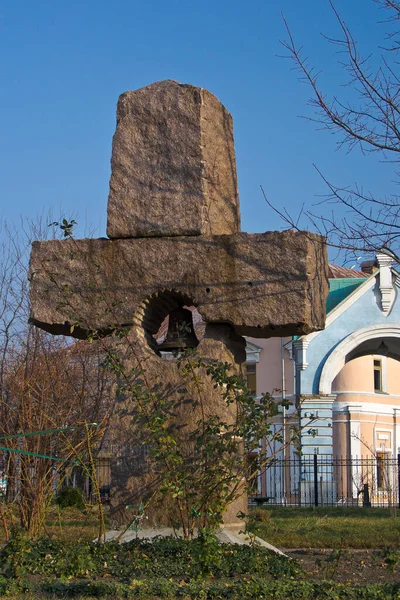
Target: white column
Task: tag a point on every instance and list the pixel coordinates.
(300, 352)
(355, 446)
(396, 431)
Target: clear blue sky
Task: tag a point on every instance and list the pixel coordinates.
(64, 64)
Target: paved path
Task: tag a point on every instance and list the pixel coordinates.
(227, 535)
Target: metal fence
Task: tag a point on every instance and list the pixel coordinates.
(320, 480)
(309, 480)
(316, 480)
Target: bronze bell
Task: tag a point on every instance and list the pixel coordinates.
(180, 331)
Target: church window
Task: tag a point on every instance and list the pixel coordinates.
(378, 381)
(251, 378)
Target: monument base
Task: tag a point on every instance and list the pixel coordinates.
(225, 534)
(187, 405)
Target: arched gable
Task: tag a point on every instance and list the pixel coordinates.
(337, 358)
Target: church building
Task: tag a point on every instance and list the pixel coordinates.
(344, 387)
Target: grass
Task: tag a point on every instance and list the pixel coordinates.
(326, 527)
(288, 527)
(307, 527)
(66, 524)
(71, 524)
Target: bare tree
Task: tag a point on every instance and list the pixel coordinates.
(365, 114)
(49, 391)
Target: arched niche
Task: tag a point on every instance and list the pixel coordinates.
(356, 344)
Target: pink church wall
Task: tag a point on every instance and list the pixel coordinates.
(354, 386)
(393, 376)
(358, 376)
(269, 368)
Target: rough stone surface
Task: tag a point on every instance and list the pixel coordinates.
(173, 164)
(262, 284)
(191, 404)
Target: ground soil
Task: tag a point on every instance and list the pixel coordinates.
(349, 565)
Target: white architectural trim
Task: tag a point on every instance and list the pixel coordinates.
(355, 445)
(372, 420)
(289, 347)
(385, 395)
(389, 274)
(386, 286)
(300, 353)
(371, 408)
(344, 305)
(384, 372)
(336, 360)
(351, 299)
(252, 352)
(396, 440)
(379, 433)
(355, 435)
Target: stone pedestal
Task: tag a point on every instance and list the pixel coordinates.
(190, 405)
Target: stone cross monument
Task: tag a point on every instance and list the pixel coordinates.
(174, 240)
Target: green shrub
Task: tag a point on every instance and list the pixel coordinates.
(164, 557)
(70, 496)
(245, 589)
(166, 568)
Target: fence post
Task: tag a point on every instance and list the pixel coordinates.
(315, 478)
(398, 474)
(366, 498)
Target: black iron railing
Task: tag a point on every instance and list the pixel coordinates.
(320, 480)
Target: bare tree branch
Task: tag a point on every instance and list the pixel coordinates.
(366, 115)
